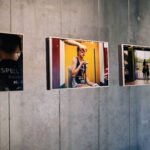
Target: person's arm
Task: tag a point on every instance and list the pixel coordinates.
(75, 43)
(74, 64)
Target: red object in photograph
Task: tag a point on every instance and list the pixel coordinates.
(56, 62)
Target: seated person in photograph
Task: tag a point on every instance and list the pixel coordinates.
(11, 66)
(79, 71)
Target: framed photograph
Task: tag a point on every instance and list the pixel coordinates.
(76, 63)
(134, 62)
(11, 62)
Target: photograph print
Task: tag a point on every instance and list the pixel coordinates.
(134, 64)
(76, 63)
(11, 62)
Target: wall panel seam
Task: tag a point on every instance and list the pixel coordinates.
(129, 116)
(59, 122)
(98, 24)
(10, 17)
(9, 119)
(61, 17)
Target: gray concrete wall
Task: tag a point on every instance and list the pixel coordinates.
(112, 118)
(4, 96)
(140, 96)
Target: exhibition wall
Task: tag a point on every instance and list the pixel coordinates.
(105, 118)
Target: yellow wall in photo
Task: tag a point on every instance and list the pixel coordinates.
(71, 51)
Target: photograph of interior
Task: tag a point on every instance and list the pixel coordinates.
(134, 63)
(76, 63)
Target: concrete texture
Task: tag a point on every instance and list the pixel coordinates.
(114, 119)
(143, 19)
(79, 119)
(110, 118)
(36, 20)
(34, 121)
(5, 16)
(4, 96)
(4, 123)
(140, 131)
(114, 101)
(139, 101)
(77, 22)
(134, 119)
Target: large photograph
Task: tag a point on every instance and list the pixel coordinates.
(76, 63)
(134, 64)
(11, 62)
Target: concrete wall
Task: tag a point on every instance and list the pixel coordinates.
(112, 118)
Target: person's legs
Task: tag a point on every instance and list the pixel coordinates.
(147, 76)
(144, 76)
(82, 85)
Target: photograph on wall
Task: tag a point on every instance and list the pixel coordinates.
(134, 64)
(76, 63)
(11, 62)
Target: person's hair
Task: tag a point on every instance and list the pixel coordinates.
(78, 49)
(9, 42)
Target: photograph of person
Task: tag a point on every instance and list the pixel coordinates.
(76, 63)
(136, 61)
(11, 62)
